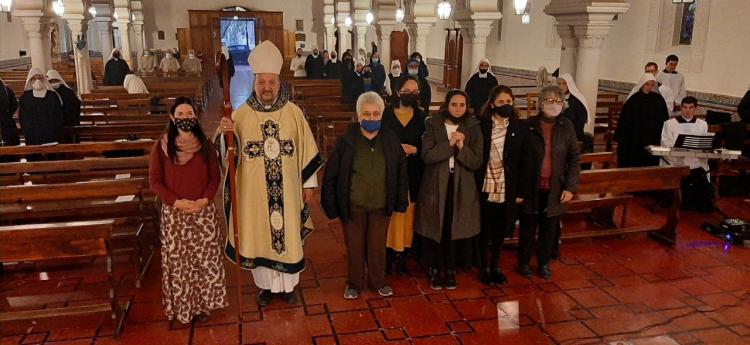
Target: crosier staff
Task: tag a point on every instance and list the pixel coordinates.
(222, 69)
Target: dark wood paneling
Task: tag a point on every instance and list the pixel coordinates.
(205, 32)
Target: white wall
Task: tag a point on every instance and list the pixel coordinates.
(168, 15)
(12, 38)
(624, 53)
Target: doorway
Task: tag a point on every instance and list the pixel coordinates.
(454, 50)
(400, 47)
(238, 35)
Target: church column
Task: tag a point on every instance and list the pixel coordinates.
(569, 50)
(386, 23)
(137, 17)
(424, 18)
(591, 24)
(385, 45)
(329, 18)
(76, 17)
(32, 24)
(478, 31)
(48, 24)
(123, 24)
(342, 8)
(361, 8)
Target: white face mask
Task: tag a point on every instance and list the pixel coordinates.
(55, 85)
(396, 71)
(169, 55)
(552, 110)
(191, 56)
(37, 85)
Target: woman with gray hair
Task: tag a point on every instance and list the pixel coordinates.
(551, 179)
(365, 181)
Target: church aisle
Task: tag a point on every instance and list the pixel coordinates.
(602, 291)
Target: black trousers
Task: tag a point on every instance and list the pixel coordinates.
(492, 236)
(545, 226)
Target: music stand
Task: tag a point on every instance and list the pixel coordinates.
(706, 142)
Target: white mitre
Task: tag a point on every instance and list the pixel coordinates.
(266, 58)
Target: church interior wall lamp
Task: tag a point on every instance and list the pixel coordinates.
(400, 14)
(520, 6)
(58, 8)
(444, 10)
(6, 5)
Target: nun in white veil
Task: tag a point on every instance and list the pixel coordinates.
(640, 124)
(40, 110)
(576, 106)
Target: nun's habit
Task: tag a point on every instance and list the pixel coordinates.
(640, 125)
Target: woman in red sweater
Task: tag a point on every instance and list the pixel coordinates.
(185, 174)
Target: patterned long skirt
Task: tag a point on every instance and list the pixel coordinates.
(193, 279)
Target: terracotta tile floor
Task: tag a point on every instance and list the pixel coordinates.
(603, 291)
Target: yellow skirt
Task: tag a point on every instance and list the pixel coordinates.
(401, 229)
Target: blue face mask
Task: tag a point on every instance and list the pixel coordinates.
(371, 126)
(413, 72)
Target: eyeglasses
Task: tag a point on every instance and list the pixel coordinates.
(553, 100)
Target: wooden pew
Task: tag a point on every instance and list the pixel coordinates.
(89, 200)
(632, 180)
(65, 171)
(64, 241)
(70, 151)
(115, 132)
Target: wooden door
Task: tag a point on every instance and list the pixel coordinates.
(183, 40)
(454, 48)
(400, 47)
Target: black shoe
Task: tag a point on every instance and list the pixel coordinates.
(435, 282)
(450, 280)
(545, 272)
(485, 276)
(289, 297)
(498, 277)
(524, 270)
(264, 297)
(401, 264)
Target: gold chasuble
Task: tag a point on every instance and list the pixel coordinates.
(276, 154)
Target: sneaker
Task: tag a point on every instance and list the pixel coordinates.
(498, 277)
(264, 297)
(351, 293)
(385, 291)
(435, 282)
(450, 280)
(289, 297)
(545, 271)
(524, 270)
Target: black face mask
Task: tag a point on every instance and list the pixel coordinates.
(483, 71)
(455, 120)
(505, 111)
(409, 100)
(299, 54)
(186, 125)
(116, 55)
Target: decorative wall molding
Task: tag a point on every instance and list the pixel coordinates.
(20, 62)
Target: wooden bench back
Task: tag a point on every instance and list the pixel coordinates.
(65, 240)
(95, 149)
(63, 171)
(68, 191)
(629, 180)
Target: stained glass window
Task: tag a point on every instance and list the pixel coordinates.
(687, 23)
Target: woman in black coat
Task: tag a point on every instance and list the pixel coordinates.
(365, 181)
(506, 149)
(406, 119)
(8, 106)
(378, 73)
(744, 108)
(116, 69)
(549, 180)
